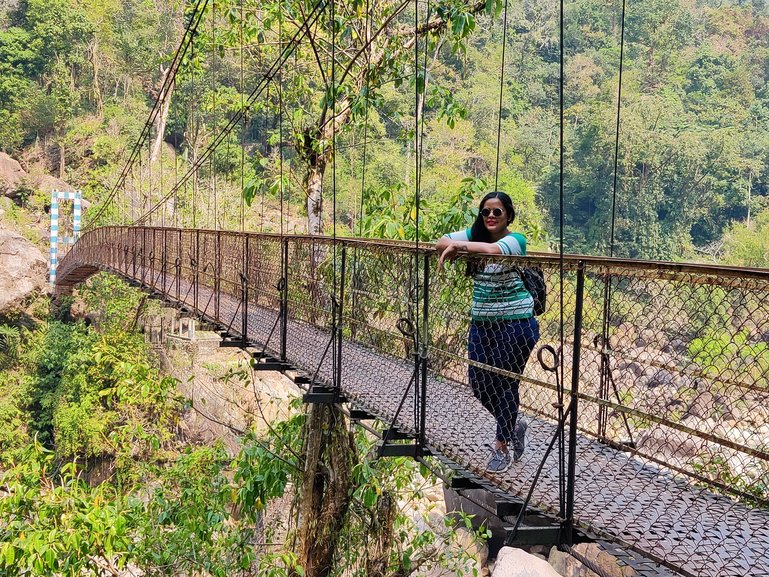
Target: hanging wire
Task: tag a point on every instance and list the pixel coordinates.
(141, 198)
(616, 137)
(337, 313)
(365, 122)
(605, 369)
(265, 151)
(159, 136)
(212, 167)
(501, 91)
(420, 121)
(561, 264)
(186, 42)
(280, 118)
(176, 195)
(418, 152)
(149, 172)
(255, 93)
(193, 124)
(242, 130)
(333, 120)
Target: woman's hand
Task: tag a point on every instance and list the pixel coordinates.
(448, 249)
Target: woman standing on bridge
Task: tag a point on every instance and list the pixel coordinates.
(503, 330)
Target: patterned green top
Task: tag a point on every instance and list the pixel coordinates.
(498, 291)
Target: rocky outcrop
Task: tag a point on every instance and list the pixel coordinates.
(513, 562)
(14, 180)
(23, 271)
(568, 566)
(11, 176)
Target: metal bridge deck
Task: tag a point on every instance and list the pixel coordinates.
(634, 503)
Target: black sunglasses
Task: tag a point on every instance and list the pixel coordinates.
(486, 212)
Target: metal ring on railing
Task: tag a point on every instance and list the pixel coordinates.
(543, 362)
(281, 284)
(406, 327)
(178, 261)
(243, 278)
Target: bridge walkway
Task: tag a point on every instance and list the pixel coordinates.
(666, 504)
(625, 498)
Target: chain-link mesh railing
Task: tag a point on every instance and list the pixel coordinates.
(669, 450)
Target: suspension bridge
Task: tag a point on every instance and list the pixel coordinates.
(646, 399)
(647, 431)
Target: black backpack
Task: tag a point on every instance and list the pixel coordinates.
(534, 280)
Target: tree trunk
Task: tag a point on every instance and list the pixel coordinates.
(162, 117)
(381, 536)
(61, 155)
(315, 198)
(324, 496)
(96, 86)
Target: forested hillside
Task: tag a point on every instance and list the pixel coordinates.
(78, 80)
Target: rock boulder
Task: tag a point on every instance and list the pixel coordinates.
(11, 175)
(23, 271)
(513, 562)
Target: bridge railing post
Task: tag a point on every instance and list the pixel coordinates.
(118, 248)
(143, 253)
(153, 259)
(178, 264)
(244, 291)
(133, 254)
(573, 404)
(283, 299)
(159, 239)
(164, 263)
(217, 274)
(339, 323)
(423, 353)
(197, 270)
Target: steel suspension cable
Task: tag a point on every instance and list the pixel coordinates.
(501, 91)
(187, 40)
(254, 94)
(561, 263)
(605, 374)
(242, 128)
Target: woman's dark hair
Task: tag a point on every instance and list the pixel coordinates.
(479, 232)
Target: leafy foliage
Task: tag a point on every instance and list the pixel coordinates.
(717, 351)
(56, 524)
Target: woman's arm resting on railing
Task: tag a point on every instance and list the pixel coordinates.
(450, 248)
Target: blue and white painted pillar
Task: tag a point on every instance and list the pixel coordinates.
(77, 212)
(54, 235)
